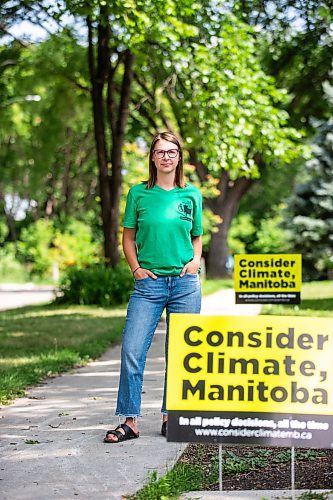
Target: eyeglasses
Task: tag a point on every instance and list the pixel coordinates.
(160, 153)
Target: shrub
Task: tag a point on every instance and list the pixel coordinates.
(34, 247)
(43, 245)
(75, 246)
(266, 236)
(104, 286)
(241, 234)
(272, 237)
(10, 269)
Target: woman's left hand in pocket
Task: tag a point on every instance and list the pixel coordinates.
(191, 267)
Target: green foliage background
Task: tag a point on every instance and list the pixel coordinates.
(231, 79)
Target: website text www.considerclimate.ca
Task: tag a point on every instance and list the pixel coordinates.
(258, 433)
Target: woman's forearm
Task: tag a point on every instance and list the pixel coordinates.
(197, 247)
(129, 248)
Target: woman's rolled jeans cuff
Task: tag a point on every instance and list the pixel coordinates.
(127, 416)
(151, 296)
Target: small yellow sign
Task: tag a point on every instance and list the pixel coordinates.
(267, 364)
(268, 278)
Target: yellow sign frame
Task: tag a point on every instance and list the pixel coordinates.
(266, 364)
(268, 278)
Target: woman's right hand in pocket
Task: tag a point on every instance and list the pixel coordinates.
(142, 273)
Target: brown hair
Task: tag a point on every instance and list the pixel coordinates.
(179, 175)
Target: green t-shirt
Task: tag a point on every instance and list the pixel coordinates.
(165, 221)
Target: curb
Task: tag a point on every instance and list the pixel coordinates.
(250, 494)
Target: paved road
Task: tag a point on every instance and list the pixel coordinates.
(12, 296)
(219, 303)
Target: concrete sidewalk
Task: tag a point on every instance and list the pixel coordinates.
(222, 303)
(52, 440)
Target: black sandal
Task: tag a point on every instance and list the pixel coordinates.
(128, 434)
(164, 429)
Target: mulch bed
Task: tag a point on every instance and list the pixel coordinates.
(310, 473)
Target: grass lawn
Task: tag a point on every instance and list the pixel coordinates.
(40, 341)
(316, 300)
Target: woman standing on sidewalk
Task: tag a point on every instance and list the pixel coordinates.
(162, 244)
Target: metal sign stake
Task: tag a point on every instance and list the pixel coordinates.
(220, 467)
(293, 472)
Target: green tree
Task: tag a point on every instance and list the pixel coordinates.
(120, 30)
(311, 207)
(297, 49)
(213, 91)
(47, 154)
(12, 132)
(115, 35)
(295, 46)
(196, 71)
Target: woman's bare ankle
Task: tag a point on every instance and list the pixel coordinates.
(132, 423)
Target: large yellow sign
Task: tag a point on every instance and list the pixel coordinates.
(264, 364)
(272, 278)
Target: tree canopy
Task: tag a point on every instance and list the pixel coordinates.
(236, 81)
(311, 207)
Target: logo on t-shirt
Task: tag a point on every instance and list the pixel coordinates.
(186, 210)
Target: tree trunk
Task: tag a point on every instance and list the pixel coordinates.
(65, 179)
(98, 75)
(50, 205)
(226, 206)
(118, 127)
(110, 184)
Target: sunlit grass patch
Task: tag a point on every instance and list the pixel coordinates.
(316, 300)
(39, 341)
(210, 286)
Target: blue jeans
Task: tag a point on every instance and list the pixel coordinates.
(146, 305)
